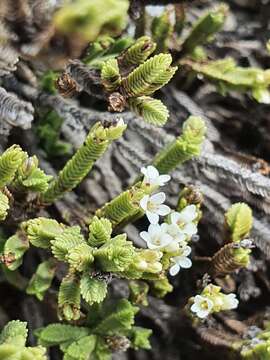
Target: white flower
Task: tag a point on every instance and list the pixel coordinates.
(230, 302)
(152, 177)
(176, 233)
(202, 306)
(181, 261)
(184, 220)
(178, 238)
(153, 206)
(156, 237)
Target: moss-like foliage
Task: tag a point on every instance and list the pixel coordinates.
(228, 76)
(48, 131)
(137, 53)
(97, 141)
(13, 343)
(4, 206)
(239, 220)
(183, 148)
(149, 76)
(42, 279)
(152, 110)
(108, 329)
(236, 253)
(10, 161)
(89, 19)
(206, 27)
(91, 261)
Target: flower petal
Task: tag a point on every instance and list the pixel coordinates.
(145, 236)
(164, 227)
(152, 172)
(174, 270)
(195, 307)
(158, 198)
(163, 210)
(186, 251)
(189, 213)
(154, 230)
(230, 302)
(190, 229)
(152, 217)
(185, 263)
(153, 246)
(144, 201)
(202, 314)
(176, 232)
(166, 239)
(163, 179)
(174, 217)
(172, 247)
(144, 171)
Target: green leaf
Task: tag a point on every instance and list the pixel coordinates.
(82, 348)
(161, 287)
(110, 75)
(15, 332)
(76, 169)
(55, 334)
(149, 76)
(69, 299)
(205, 28)
(115, 255)
(153, 111)
(261, 94)
(48, 131)
(9, 352)
(30, 178)
(88, 19)
(4, 206)
(42, 279)
(12, 343)
(12, 352)
(162, 30)
(117, 319)
(10, 161)
(138, 292)
(37, 353)
(106, 48)
(41, 231)
(65, 241)
(139, 338)
(242, 256)
(100, 231)
(239, 220)
(183, 148)
(124, 206)
(98, 49)
(256, 351)
(14, 249)
(93, 290)
(80, 257)
(229, 77)
(102, 351)
(138, 52)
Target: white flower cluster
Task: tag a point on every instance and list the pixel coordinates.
(174, 235)
(213, 300)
